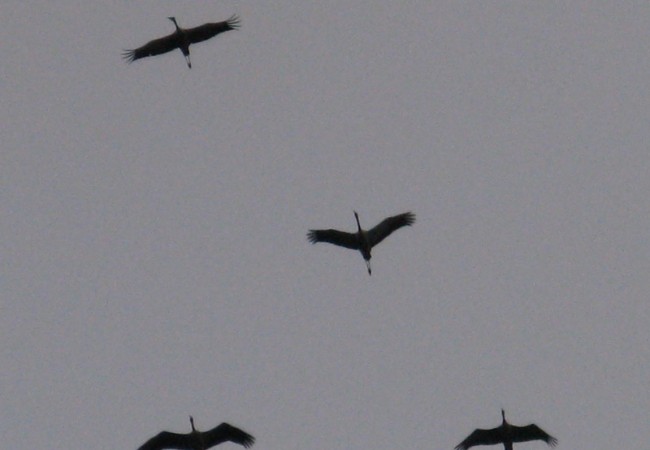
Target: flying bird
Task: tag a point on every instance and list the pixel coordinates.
(363, 240)
(196, 440)
(181, 39)
(506, 434)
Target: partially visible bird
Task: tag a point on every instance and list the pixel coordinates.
(181, 39)
(363, 240)
(506, 434)
(196, 440)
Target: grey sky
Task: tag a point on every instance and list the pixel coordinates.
(154, 258)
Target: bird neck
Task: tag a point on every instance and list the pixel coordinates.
(356, 216)
(173, 19)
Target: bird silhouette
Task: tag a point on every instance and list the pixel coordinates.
(506, 434)
(196, 440)
(363, 240)
(181, 39)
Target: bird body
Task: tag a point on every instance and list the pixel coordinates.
(506, 434)
(181, 39)
(196, 440)
(363, 240)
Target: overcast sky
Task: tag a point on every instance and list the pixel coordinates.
(154, 262)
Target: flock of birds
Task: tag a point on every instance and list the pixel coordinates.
(362, 240)
(505, 434)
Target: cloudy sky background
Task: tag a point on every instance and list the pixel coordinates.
(154, 259)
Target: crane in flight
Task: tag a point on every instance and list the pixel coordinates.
(506, 434)
(196, 440)
(182, 39)
(363, 240)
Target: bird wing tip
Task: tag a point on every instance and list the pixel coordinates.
(234, 21)
(128, 56)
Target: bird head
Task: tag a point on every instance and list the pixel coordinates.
(503, 415)
(173, 19)
(192, 423)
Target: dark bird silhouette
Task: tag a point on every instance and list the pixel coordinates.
(506, 434)
(181, 39)
(363, 240)
(196, 440)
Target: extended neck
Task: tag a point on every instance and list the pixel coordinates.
(192, 423)
(503, 417)
(173, 19)
(356, 216)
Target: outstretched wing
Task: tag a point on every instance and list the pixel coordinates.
(166, 439)
(226, 432)
(532, 433)
(387, 226)
(336, 237)
(480, 437)
(152, 48)
(208, 30)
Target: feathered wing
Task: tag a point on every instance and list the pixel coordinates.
(226, 432)
(387, 226)
(208, 30)
(336, 237)
(480, 437)
(152, 48)
(166, 439)
(532, 433)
